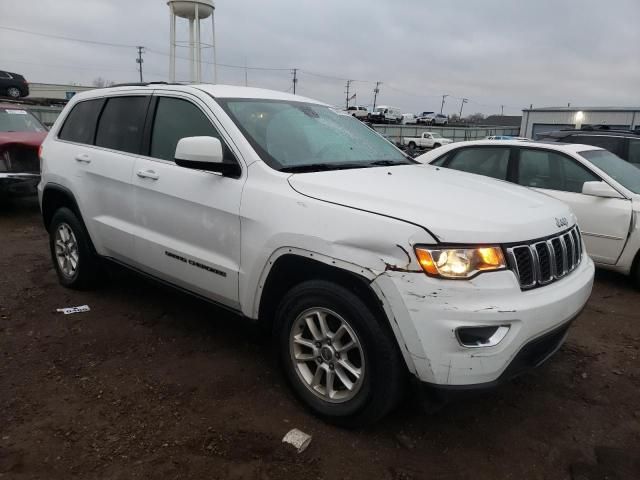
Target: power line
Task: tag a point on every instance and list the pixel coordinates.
(244, 67)
(61, 37)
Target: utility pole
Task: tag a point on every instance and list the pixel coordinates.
(464, 100)
(246, 79)
(347, 92)
(442, 106)
(502, 110)
(139, 61)
(295, 79)
(376, 91)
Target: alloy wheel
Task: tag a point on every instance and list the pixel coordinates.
(327, 355)
(66, 247)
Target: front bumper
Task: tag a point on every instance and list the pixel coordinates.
(426, 313)
(17, 184)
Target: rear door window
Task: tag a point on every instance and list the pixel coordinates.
(121, 124)
(80, 124)
(633, 154)
(552, 170)
(491, 162)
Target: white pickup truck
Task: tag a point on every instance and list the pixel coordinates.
(426, 140)
(367, 267)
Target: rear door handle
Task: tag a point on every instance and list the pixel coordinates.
(83, 158)
(148, 174)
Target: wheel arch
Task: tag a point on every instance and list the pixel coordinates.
(54, 197)
(290, 267)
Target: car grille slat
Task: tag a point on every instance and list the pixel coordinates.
(543, 262)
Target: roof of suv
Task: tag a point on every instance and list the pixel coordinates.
(216, 91)
(601, 131)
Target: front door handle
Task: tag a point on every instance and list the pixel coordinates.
(83, 158)
(148, 174)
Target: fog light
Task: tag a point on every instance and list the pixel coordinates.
(475, 337)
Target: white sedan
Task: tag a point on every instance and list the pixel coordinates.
(602, 189)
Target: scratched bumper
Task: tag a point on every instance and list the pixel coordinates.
(427, 312)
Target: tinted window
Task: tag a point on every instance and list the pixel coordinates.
(4, 75)
(80, 125)
(121, 123)
(176, 119)
(440, 161)
(551, 170)
(491, 162)
(633, 155)
(623, 172)
(613, 144)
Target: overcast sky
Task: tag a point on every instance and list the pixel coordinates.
(512, 53)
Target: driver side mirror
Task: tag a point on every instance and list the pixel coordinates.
(204, 153)
(600, 189)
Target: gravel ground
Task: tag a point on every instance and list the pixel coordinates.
(152, 383)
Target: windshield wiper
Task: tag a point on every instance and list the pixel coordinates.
(323, 167)
(389, 163)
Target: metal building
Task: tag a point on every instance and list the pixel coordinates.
(540, 120)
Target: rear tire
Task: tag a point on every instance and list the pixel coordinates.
(14, 92)
(76, 264)
(635, 272)
(349, 387)
(412, 145)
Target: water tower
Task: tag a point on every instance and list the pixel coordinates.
(195, 11)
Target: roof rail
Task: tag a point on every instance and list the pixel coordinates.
(141, 84)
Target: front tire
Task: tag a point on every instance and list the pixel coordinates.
(336, 354)
(75, 262)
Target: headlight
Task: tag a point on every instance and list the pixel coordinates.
(461, 262)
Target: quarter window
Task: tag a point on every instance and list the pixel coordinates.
(491, 162)
(80, 124)
(121, 123)
(551, 170)
(634, 152)
(175, 119)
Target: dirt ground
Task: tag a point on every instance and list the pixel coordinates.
(155, 384)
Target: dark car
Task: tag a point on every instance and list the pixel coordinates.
(13, 85)
(624, 143)
(21, 134)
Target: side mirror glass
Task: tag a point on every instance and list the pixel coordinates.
(204, 153)
(600, 189)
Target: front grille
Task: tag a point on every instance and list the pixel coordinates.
(542, 262)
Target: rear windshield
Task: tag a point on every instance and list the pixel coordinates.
(14, 120)
(622, 172)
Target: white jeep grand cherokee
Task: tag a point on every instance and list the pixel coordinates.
(366, 265)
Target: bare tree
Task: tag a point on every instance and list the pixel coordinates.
(102, 82)
(475, 118)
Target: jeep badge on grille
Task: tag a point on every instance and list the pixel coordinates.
(562, 222)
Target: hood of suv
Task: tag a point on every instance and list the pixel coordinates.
(454, 206)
